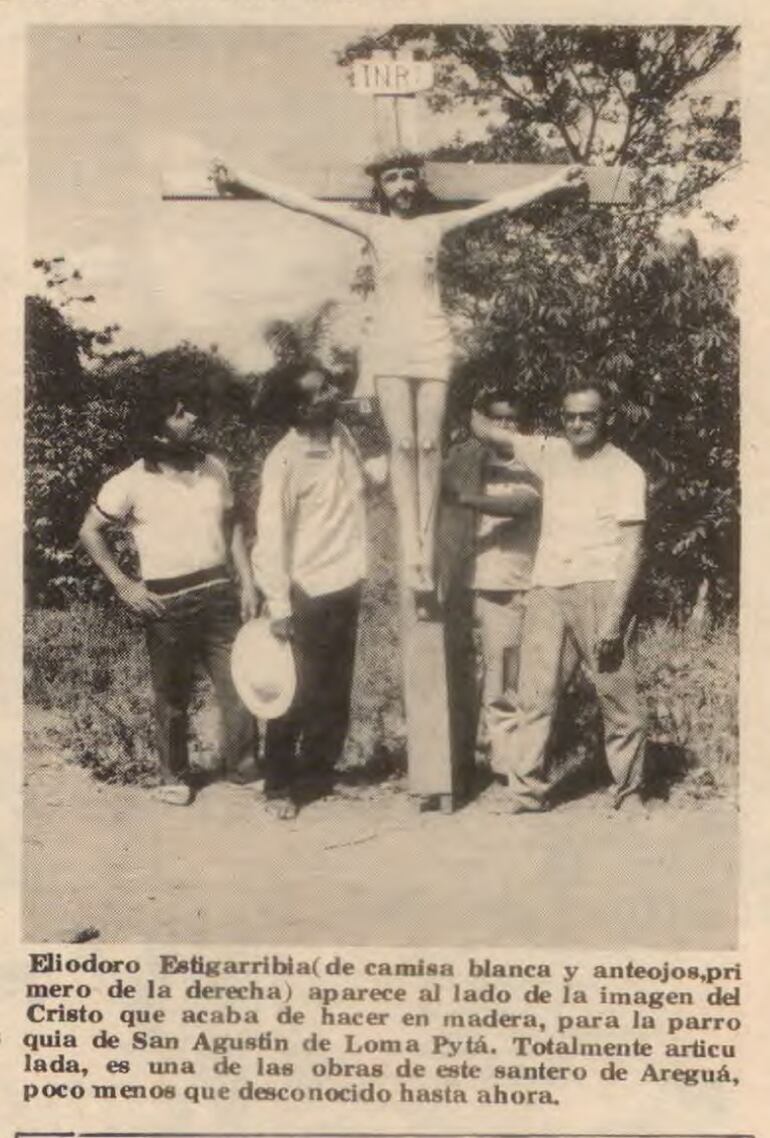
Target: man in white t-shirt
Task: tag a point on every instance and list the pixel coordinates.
(587, 563)
(177, 504)
(309, 560)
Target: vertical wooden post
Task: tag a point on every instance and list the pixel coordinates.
(434, 670)
(384, 122)
(426, 701)
(405, 115)
(439, 674)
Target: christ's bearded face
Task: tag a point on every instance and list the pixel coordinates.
(401, 187)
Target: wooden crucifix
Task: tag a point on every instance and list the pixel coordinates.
(408, 363)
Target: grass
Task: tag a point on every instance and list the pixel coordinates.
(87, 694)
(689, 677)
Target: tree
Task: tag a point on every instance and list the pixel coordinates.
(60, 283)
(614, 95)
(564, 289)
(52, 353)
(76, 430)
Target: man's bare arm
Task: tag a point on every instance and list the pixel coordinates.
(512, 200)
(518, 502)
(242, 566)
(486, 430)
(609, 646)
(629, 564)
(132, 593)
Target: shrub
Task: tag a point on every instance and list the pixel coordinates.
(690, 678)
(89, 665)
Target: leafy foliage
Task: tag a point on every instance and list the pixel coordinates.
(90, 662)
(70, 386)
(577, 93)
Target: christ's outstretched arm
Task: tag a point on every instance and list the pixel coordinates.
(343, 216)
(511, 199)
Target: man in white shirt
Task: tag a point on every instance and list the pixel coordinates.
(177, 504)
(310, 561)
(586, 566)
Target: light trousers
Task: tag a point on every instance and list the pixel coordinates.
(500, 618)
(554, 618)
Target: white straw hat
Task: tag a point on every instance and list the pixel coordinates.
(263, 670)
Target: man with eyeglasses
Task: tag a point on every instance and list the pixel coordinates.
(587, 564)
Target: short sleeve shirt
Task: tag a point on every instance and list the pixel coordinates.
(176, 517)
(586, 502)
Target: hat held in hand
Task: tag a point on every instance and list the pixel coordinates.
(263, 670)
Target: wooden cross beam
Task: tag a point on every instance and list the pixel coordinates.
(458, 183)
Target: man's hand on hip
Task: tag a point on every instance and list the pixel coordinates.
(136, 596)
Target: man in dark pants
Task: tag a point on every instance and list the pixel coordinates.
(310, 561)
(177, 504)
(323, 631)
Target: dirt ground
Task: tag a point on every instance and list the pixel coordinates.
(367, 867)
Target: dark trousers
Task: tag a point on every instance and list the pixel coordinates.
(316, 724)
(196, 628)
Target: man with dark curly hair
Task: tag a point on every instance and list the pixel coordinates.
(177, 505)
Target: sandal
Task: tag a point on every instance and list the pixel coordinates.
(173, 794)
(282, 809)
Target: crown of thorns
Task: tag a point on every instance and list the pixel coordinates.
(392, 160)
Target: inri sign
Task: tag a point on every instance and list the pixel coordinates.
(387, 76)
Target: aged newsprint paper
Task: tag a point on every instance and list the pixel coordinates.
(384, 490)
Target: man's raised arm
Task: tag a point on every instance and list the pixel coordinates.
(527, 449)
(488, 431)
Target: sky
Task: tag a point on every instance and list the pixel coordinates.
(112, 109)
